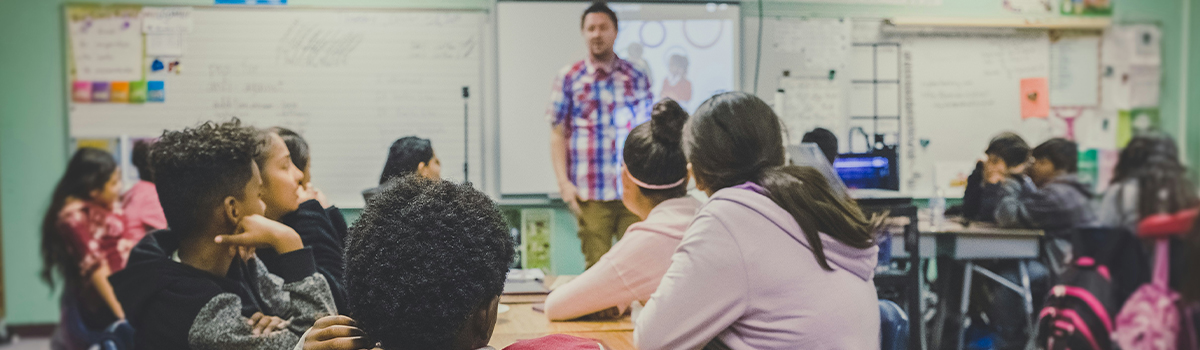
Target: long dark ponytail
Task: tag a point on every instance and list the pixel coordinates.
(653, 153)
(1153, 161)
(89, 170)
(735, 138)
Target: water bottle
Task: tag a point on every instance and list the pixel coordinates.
(937, 207)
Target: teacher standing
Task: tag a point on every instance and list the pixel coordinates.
(594, 104)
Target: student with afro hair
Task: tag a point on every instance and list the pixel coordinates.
(425, 267)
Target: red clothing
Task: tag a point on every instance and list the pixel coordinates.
(557, 342)
(95, 234)
(143, 213)
(680, 92)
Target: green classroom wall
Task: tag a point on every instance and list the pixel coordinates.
(33, 140)
(1193, 95)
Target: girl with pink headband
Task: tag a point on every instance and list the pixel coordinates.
(654, 179)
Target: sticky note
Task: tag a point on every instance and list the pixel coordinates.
(155, 92)
(81, 91)
(100, 91)
(119, 91)
(137, 92)
(1035, 98)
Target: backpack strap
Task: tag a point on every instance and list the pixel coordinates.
(1162, 266)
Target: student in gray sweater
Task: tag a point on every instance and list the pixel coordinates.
(1051, 197)
(198, 285)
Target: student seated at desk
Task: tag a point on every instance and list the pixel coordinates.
(84, 241)
(655, 183)
(1007, 157)
(775, 259)
(425, 267)
(825, 140)
(1149, 179)
(408, 155)
(1050, 198)
(292, 200)
(196, 285)
(299, 150)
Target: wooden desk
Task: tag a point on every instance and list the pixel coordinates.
(522, 322)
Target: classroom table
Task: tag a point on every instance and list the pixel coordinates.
(522, 322)
(983, 241)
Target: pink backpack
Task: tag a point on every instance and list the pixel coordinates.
(1150, 319)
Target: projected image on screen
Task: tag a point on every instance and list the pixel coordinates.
(686, 60)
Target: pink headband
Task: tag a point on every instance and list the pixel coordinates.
(654, 187)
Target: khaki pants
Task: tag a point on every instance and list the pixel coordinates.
(601, 223)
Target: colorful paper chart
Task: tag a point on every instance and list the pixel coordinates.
(81, 91)
(100, 92)
(119, 92)
(155, 92)
(137, 92)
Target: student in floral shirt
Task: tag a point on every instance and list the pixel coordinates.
(84, 241)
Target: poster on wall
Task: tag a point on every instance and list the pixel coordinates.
(106, 43)
(535, 238)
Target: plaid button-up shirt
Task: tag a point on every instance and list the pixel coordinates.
(598, 105)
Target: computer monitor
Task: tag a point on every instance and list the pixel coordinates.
(871, 170)
(808, 154)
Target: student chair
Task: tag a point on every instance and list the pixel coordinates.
(907, 280)
(893, 326)
(118, 336)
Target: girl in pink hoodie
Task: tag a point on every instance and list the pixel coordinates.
(774, 260)
(655, 184)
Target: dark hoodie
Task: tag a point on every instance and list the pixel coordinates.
(1061, 205)
(324, 232)
(176, 306)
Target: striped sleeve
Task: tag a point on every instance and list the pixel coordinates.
(560, 100)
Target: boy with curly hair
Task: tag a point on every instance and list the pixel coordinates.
(425, 267)
(197, 284)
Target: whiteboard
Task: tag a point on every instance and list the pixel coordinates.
(958, 88)
(350, 81)
(532, 52)
(961, 91)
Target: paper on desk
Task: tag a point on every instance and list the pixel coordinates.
(526, 275)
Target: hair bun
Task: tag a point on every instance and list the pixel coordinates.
(666, 121)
